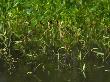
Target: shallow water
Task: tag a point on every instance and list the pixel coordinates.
(97, 75)
(23, 74)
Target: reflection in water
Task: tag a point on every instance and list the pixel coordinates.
(52, 75)
(2, 77)
(97, 75)
(23, 74)
(45, 76)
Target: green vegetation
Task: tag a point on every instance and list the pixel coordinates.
(49, 36)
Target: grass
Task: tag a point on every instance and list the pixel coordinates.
(53, 34)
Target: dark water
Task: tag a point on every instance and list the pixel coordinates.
(97, 75)
(24, 74)
(3, 77)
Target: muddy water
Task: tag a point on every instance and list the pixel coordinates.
(3, 77)
(97, 75)
(23, 74)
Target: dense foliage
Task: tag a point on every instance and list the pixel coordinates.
(49, 35)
